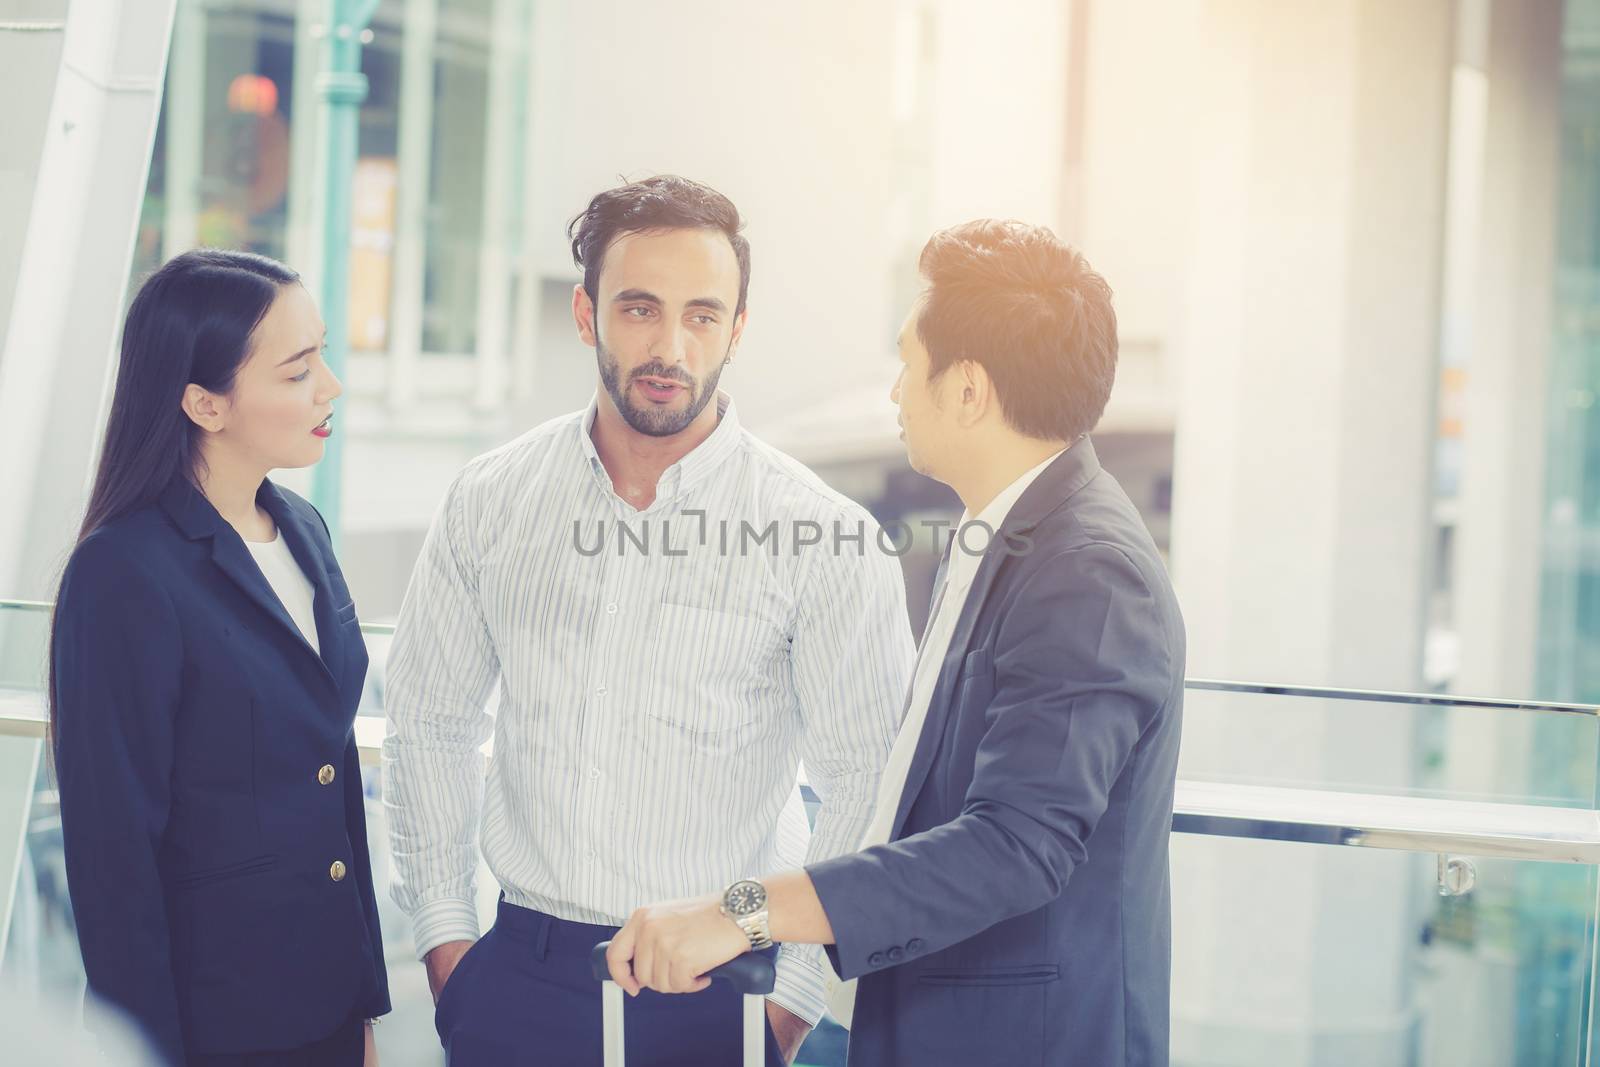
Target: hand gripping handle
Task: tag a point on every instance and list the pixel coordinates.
(750, 974)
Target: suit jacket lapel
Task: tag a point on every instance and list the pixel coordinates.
(198, 520)
(1050, 492)
(939, 701)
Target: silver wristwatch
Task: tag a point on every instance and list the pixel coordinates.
(745, 902)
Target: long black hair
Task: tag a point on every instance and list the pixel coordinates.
(190, 323)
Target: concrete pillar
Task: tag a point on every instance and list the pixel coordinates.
(1508, 92)
(59, 354)
(30, 54)
(302, 240)
(505, 133)
(69, 261)
(186, 126)
(1303, 484)
(414, 154)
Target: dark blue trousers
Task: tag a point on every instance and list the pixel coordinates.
(524, 994)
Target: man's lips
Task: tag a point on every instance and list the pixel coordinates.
(660, 389)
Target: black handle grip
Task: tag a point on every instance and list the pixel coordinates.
(750, 974)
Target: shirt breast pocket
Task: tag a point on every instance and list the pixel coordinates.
(710, 668)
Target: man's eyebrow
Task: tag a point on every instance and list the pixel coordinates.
(710, 303)
(637, 295)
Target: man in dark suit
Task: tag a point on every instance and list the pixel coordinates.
(1011, 902)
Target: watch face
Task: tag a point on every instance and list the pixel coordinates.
(745, 898)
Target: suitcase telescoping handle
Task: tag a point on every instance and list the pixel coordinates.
(750, 974)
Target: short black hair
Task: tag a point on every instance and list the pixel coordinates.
(664, 202)
(1029, 309)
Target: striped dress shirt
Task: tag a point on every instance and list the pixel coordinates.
(660, 675)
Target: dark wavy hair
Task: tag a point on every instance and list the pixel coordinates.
(1029, 309)
(664, 202)
(191, 322)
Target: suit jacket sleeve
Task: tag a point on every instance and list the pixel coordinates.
(118, 662)
(1082, 666)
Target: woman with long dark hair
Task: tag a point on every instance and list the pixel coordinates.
(205, 667)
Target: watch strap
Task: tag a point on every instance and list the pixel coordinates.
(755, 928)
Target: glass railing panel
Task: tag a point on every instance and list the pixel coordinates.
(1284, 953)
(1288, 954)
(40, 948)
(1530, 754)
(24, 637)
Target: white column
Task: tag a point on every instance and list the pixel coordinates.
(302, 241)
(60, 341)
(186, 117)
(415, 151)
(30, 53)
(1503, 325)
(503, 137)
(542, 253)
(72, 270)
(1301, 524)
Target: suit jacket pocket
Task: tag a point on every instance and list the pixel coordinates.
(976, 1015)
(242, 869)
(1021, 974)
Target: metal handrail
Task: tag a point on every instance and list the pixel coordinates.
(1313, 816)
(1382, 696)
(1278, 813)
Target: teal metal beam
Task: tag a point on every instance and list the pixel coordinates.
(341, 89)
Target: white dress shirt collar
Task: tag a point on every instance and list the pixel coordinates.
(966, 552)
(689, 471)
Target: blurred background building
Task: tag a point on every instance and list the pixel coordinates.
(1356, 251)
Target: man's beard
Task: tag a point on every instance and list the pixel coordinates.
(648, 419)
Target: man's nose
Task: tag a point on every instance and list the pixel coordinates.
(673, 347)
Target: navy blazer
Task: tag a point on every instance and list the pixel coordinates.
(1021, 913)
(211, 804)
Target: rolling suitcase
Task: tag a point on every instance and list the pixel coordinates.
(752, 975)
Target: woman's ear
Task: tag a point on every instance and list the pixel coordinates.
(202, 407)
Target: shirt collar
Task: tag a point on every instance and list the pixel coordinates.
(965, 555)
(689, 471)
